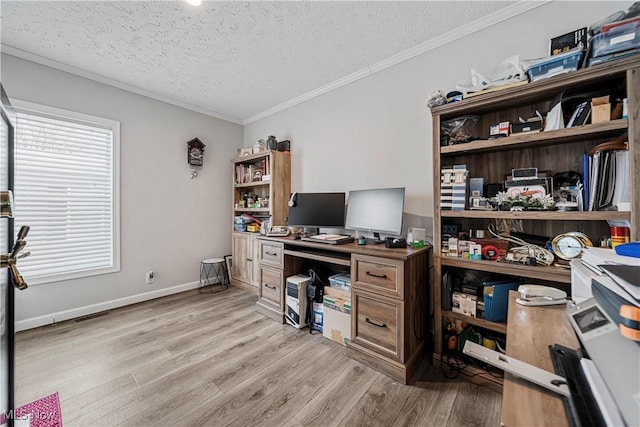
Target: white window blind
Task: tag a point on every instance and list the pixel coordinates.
(65, 189)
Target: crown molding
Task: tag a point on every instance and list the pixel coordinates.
(508, 12)
(13, 51)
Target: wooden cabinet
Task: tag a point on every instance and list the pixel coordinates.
(389, 312)
(555, 151)
(271, 279)
(244, 272)
(261, 188)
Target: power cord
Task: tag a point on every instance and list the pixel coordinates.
(524, 251)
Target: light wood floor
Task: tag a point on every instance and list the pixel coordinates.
(192, 359)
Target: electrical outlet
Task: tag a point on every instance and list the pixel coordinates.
(150, 277)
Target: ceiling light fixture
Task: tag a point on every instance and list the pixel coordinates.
(194, 2)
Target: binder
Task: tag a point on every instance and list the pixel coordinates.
(586, 172)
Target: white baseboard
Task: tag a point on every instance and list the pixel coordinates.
(61, 316)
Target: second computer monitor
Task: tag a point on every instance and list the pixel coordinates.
(378, 210)
(316, 210)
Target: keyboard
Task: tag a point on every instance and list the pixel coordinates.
(332, 239)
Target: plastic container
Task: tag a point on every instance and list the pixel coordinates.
(617, 39)
(240, 227)
(243, 220)
(619, 235)
(341, 281)
(555, 65)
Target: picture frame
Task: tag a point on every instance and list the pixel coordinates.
(228, 261)
(246, 152)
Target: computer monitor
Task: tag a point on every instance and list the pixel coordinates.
(378, 211)
(316, 210)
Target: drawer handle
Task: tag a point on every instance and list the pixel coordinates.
(270, 253)
(273, 288)
(379, 325)
(249, 259)
(379, 276)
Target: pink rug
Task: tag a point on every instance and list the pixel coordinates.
(43, 412)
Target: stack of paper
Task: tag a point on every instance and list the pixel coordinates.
(619, 274)
(606, 179)
(595, 258)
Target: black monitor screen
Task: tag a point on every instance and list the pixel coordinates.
(377, 210)
(317, 210)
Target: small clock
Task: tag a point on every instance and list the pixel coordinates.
(195, 152)
(568, 246)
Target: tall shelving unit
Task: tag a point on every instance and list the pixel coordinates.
(277, 188)
(558, 151)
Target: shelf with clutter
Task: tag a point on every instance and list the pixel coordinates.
(547, 164)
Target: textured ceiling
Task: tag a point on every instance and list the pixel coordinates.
(236, 59)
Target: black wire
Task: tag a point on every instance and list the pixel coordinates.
(459, 367)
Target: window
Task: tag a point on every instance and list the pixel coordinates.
(66, 189)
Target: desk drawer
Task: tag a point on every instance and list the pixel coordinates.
(377, 323)
(380, 275)
(271, 286)
(271, 253)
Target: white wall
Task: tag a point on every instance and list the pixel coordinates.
(169, 222)
(376, 132)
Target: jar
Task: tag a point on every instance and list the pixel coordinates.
(259, 146)
(619, 235)
(272, 143)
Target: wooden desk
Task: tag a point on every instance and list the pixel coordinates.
(530, 331)
(389, 296)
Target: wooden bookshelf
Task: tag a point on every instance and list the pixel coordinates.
(553, 151)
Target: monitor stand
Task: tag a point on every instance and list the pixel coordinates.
(376, 240)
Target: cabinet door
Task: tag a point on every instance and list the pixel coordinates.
(255, 266)
(377, 323)
(242, 269)
(271, 287)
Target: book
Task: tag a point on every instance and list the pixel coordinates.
(626, 276)
(446, 188)
(568, 41)
(586, 181)
(576, 113)
(459, 189)
(585, 114)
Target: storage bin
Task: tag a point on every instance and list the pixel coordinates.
(554, 65)
(341, 281)
(239, 227)
(242, 220)
(496, 299)
(617, 39)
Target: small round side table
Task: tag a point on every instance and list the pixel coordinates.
(212, 269)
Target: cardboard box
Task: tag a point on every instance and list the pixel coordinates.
(464, 304)
(600, 109)
(340, 293)
(336, 319)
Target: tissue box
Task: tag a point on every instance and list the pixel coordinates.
(600, 109)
